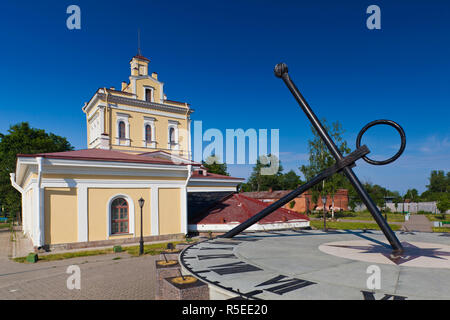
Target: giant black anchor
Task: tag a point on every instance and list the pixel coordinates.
(343, 164)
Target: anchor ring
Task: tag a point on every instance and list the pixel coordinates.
(389, 123)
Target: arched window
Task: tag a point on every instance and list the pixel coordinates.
(119, 216)
(172, 136)
(148, 133)
(121, 130)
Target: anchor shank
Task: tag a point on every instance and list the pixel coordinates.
(384, 226)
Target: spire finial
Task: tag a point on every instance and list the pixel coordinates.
(139, 42)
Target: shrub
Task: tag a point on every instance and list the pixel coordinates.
(32, 258)
(292, 204)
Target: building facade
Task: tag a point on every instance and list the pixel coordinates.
(138, 147)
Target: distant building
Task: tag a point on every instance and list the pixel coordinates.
(219, 216)
(303, 203)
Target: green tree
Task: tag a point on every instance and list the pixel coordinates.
(439, 185)
(263, 182)
(320, 159)
(377, 193)
(290, 180)
(22, 139)
(413, 195)
(438, 181)
(214, 165)
(443, 205)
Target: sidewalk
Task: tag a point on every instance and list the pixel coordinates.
(417, 222)
(5, 244)
(22, 245)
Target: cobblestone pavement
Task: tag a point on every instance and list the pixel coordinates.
(102, 277)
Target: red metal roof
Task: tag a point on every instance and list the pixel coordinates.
(101, 155)
(141, 57)
(209, 175)
(161, 154)
(238, 208)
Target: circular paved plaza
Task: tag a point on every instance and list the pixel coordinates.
(308, 264)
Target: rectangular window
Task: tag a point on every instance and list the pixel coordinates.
(148, 95)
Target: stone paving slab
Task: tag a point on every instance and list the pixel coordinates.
(102, 277)
(289, 265)
(419, 223)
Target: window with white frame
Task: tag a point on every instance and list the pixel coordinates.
(149, 138)
(148, 133)
(123, 129)
(120, 215)
(149, 94)
(172, 135)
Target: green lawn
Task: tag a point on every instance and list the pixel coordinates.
(436, 217)
(364, 215)
(350, 225)
(441, 229)
(4, 225)
(66, 255)
(392, 217)
(151, 249)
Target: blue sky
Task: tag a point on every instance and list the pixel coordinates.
(219, 56)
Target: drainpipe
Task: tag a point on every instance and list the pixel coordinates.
(104, 120)
(107, 120)
(189, 133)
(185, 192)
(39, 161)
(189, 168)
(40, 230)
(12, 177)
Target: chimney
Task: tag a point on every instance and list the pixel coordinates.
(155, 75)
(124, 85)
(112, 88)
(270, 189)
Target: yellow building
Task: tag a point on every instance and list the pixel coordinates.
(138, 146)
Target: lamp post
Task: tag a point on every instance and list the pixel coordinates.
(324, 201)
(141, 241)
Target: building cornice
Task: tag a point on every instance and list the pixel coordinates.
(134, 102)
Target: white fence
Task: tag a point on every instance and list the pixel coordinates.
(412, 207)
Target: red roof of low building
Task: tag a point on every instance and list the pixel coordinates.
(239, 208)
(101, 155)
(197, 175)
(141, 57)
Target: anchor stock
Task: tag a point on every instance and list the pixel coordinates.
(347, 161)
